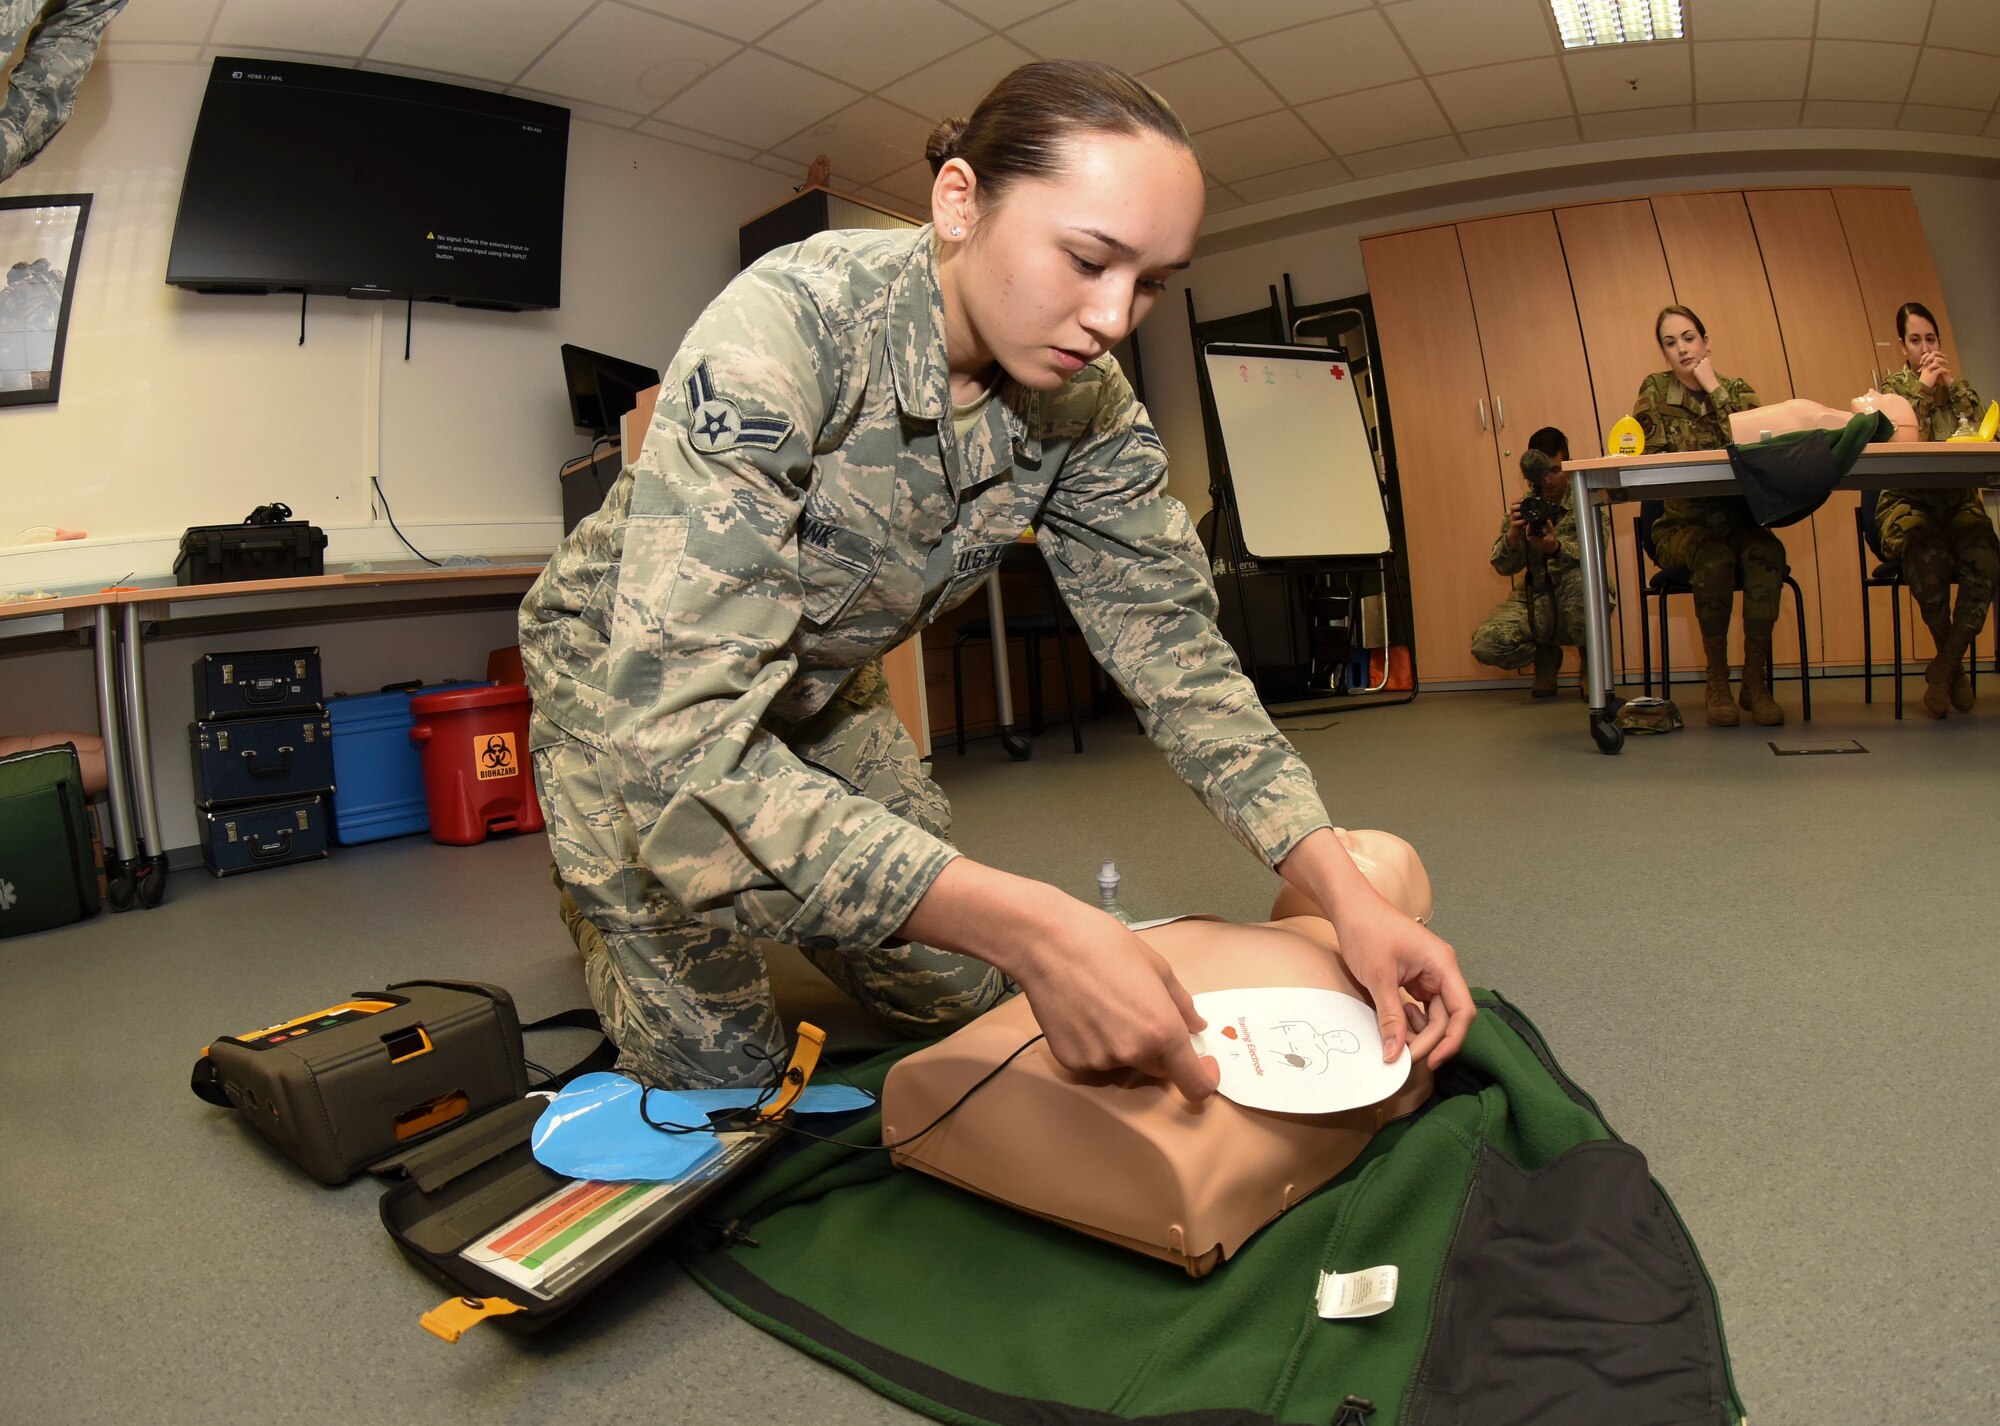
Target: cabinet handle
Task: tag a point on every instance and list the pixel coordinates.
(1482, 413)
(1499, 412)
(1874, 378)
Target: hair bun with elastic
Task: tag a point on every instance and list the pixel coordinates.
(943, 143)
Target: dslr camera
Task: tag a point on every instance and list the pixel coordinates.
(1537, 514)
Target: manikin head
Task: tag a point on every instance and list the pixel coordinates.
(1545, 477)
(1683, 341)
(1063, 207)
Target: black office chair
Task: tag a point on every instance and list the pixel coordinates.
(1030, 629)
(1676, 581)
(1888, 574)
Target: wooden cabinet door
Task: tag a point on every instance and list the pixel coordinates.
(1618, 272)
(1892, 263)
(1719, 272)
(1435, 383)
(1535, 371)
(1831, 354)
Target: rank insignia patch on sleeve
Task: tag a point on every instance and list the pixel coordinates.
(716, 425)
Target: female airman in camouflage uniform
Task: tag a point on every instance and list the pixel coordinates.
(847, 440)
(1941, 536)
(1687, 408)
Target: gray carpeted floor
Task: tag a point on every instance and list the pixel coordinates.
(1772, 972)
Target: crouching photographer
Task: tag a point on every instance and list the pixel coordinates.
(1538, 546)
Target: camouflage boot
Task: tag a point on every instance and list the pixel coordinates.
(1756, 696)
(1720, 707)
(1548, 663)
(1945, 671)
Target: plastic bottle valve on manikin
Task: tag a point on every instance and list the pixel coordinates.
(474, 746)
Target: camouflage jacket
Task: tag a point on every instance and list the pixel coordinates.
(1677, 419)
(802, 502)
(1568, 556)
(1938, 407)
(42, 89)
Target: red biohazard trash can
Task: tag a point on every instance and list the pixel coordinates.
(473, 744)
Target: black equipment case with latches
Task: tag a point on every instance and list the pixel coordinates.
(252, 682)
(263, 834)
(258, 759)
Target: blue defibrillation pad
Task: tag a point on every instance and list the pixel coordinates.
(595, 1128)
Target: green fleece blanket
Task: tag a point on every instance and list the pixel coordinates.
(1544, 1279)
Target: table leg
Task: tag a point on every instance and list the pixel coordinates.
(1017, 746)
(153, 878)
(1596, 619)
(117, 785)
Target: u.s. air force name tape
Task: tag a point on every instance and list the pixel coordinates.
(716, 425)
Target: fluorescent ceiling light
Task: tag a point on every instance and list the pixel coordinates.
(1616, 22)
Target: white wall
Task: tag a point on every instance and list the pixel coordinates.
(1960, 215)
(185, 409)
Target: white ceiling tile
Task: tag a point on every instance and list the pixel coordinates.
(211, 53)
(1740, 70)
(625, 59)
(1638, 123)
(1377, 118)
(954, 86)
(1242, 19)
(1993, 127)
(1935, 120)
(1872, 20)
(1964, 25)
(867, 141)
(1002, 13)
(301, 25)
(1518, 138)
(1109, 31)
(1630, 76)
(130, 52)
(1260, 145)
(1748, 114)
(1221, 200)
(1748, 19)
(1514, 93)
(433, 34)
(158, 22)
(1960, 81)
(911, 188)
(870, 42)
(1307, 178)
(739, 19)
(1850, 114)
(1450, 34)
(688, 138)
(1335, 56)
(1861, 69)
(786, 166)
(757, 99)
(1401, 158)
(578, 109)
(1213, 89)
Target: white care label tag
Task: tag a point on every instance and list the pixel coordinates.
(1367, 1293)
(1297, 1049)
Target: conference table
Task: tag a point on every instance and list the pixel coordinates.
(1606, 480)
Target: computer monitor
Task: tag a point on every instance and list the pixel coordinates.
(602, 388)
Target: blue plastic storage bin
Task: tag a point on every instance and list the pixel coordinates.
(376, 770)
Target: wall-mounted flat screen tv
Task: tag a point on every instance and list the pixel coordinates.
(307, 178)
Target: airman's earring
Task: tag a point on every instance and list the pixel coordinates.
(956, 231)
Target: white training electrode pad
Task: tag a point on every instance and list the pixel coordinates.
(1297, 1050)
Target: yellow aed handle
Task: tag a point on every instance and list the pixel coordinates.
(454, 1317)
(805, 1059)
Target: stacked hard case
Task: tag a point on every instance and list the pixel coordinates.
(262, 754)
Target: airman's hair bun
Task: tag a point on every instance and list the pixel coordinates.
(943, 144)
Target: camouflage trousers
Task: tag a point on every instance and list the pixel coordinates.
(1508, 637)
(683, 999)
(1942, 537)
(1715, 541)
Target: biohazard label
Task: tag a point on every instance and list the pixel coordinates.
(493, 755)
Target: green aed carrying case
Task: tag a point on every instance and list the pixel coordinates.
(343, 1088)
(48, 876)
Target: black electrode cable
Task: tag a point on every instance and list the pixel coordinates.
(377, 481)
